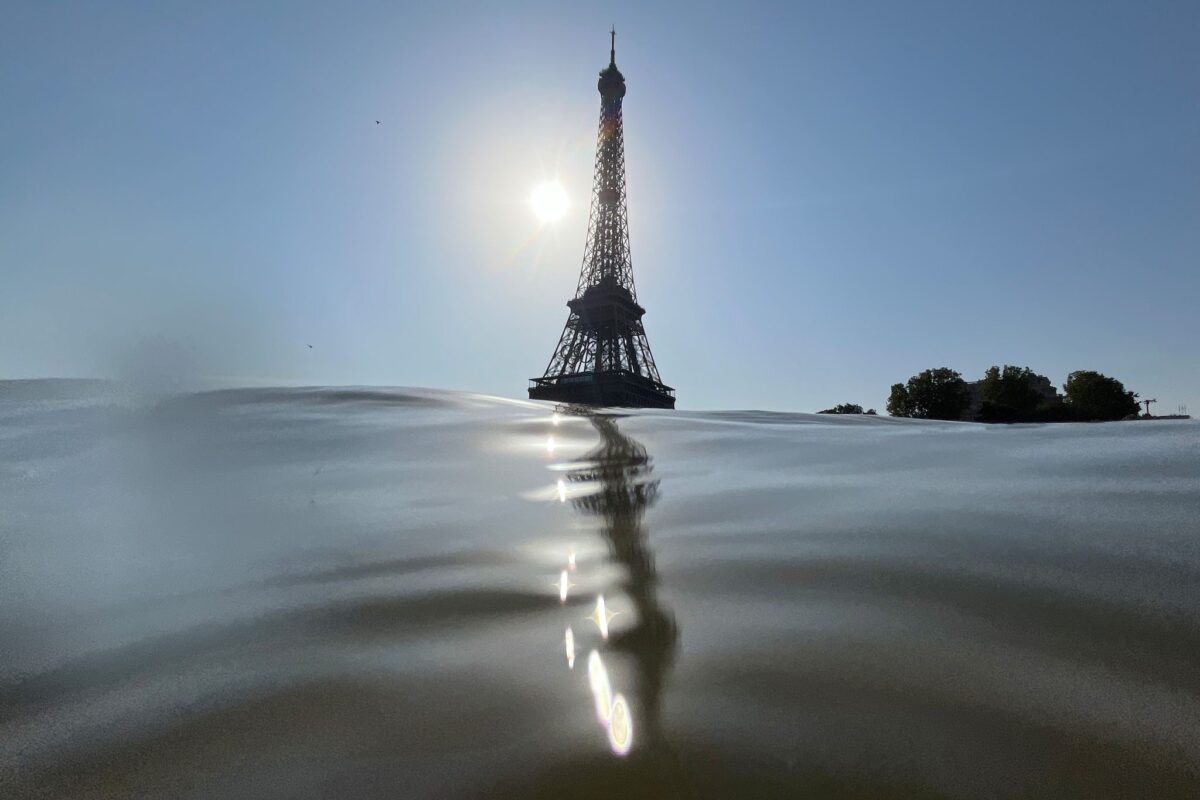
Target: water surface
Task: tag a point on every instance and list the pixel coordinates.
(303, 593)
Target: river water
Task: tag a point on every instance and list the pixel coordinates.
(361, 593)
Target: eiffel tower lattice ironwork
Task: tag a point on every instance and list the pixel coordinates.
(603, 357)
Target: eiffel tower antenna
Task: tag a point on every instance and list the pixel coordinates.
(603, 357)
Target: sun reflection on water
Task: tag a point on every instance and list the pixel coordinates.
(613, 481)
(600, 686)
(620, 726)
(602, 616)
(563, 584)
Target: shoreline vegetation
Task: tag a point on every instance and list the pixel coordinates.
(1014, 394)
(1011, 394)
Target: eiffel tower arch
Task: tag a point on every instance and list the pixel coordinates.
(603, 357)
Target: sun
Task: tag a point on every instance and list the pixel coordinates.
(549, 201)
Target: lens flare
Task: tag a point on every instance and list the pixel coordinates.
(620, 726)
(569, 645)
(562, 491)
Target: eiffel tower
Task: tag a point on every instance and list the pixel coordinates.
(603, 357)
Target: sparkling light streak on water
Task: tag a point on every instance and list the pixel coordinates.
(620, 726)
(602, 616)
(600, 686)
(563, 585)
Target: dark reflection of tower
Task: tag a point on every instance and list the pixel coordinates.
(618, 472)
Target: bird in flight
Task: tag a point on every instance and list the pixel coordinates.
(376, 122)
(310, 347)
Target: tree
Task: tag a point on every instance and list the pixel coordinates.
(1011, 395)
(843, 408)
(1092, 396)
(899, 404)
(933, 394)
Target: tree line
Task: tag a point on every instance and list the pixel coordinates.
(1011, 394)
(1006, 394)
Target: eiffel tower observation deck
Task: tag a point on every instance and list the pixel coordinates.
(603, 357)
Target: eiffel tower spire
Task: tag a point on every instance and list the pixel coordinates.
(603, 357)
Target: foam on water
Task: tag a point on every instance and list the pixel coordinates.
(360, 592)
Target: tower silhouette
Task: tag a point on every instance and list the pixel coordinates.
(603, 357)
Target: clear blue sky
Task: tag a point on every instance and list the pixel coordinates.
(824, 197)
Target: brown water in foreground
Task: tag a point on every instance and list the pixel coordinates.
(353, 593)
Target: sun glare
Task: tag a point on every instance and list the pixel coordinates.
(549, 201)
